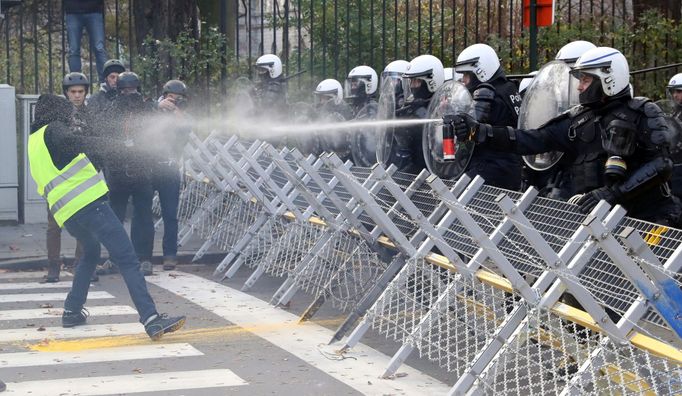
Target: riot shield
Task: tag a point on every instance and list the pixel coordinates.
(332, 138)
(364, 140)
(306, 142)
(552, 92)
(451, 98)
(386, 111)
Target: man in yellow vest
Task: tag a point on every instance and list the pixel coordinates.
(77, 197)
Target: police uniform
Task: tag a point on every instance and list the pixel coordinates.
(644, 190)
(496, 102)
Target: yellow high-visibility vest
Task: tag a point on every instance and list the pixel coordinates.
(66, 190)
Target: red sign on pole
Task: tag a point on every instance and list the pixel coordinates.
(545, 12)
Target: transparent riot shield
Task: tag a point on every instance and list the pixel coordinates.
(386, 112)
(552, 92)
(451, 98)
(332, 138)
(241, 101)
(364, 139)
(307, 142)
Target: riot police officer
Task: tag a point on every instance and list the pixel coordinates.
(424, 75)
(270, 87)
(360, 87)
(674, 92)
(331, 108)
(628, 138)
(674, 110)
(556, 182)
(496, 102)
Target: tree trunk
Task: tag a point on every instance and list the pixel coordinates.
(669, 8)
(164, 18)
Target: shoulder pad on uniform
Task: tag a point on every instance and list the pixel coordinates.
(651, 109)
(638, 102)
(484, 92)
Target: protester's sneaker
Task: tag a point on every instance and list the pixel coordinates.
(71, 319)
(146, 268)
(169, 263)
(108, 267)
(158, 325)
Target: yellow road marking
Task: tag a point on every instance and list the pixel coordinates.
(190, 335)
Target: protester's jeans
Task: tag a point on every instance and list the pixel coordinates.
(166, 181)
(142, 223)
(97, 223)
(94, 25)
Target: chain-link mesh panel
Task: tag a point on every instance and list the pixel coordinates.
(408, 297)
(239, 216)
(288, 251)
(343, 270)
(548, 353)
(264, 241)
(192, 198)
(463, 321)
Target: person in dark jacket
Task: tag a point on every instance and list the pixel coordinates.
(88, 14)
(166, 178)
(101, 101)
(77, 197)
(130, 176)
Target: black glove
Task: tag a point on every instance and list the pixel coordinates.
(589, 200)
(466, 127)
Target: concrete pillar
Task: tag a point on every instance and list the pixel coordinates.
(9, 176)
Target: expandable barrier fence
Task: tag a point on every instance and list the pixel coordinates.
(511, 292)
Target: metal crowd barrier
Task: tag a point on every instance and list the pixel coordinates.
(510, 292)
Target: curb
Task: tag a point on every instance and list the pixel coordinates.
(36, 263)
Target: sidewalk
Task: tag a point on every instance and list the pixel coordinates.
(25, 245)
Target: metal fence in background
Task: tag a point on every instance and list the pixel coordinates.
(329, 37)
(471, 277)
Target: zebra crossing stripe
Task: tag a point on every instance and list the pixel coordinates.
(40, 333)
(134, 383)
(35, 285)
(154, 351)
(41, 313)
(5, 298)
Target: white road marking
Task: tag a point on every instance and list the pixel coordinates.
(28, 275)
(35, 285)
(154, 351)
(101, 330)
(278, 327)
(135, 383)
(40, 313)
(4, 298)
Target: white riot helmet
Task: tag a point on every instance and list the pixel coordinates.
(675, 83)
(270, 64)
(396, 68)
(609, 66)
(327, 90)
(362, 79)
(429, 70)
(479, 59)
(570, 52)
(525, 83)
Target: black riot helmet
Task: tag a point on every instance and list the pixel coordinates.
(112, 66)
(175, 86)
(128, 80)
(73, 79)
